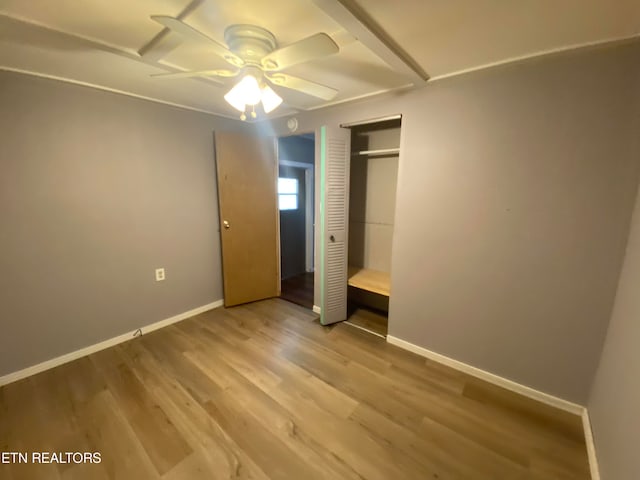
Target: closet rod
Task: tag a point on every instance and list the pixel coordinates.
(372, 120)
(383, 151)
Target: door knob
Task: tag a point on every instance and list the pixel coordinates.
(332, 238)
(226, 225)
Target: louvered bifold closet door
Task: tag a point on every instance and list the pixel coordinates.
(334, 211)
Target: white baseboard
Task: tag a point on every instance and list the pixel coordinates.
(490, 377)
(316, 309)
(68, 357)
(591, 447)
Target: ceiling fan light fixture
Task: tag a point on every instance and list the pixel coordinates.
(277, 79)
(255, 51)
(270, 99)
(236, 101)
(246, 92)
(270, 64)
(233, 60)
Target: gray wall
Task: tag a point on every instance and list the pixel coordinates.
(615, 397)
(515, 191)
(96, 191)
(296, 148)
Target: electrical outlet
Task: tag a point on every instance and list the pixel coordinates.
(159, 274)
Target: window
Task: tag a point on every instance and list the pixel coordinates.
(288, 193)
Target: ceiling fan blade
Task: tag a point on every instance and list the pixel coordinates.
(198, 73)
(310, 48)
(302, 85)
(187, 31)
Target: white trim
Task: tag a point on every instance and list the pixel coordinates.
(330, 5)
(282, 114)
(316, 309)
(356, 21)
(357, 98)
(591, 447)
(293, 163)
(127, 53)
(540, 53)
(382, 151)
(490, 377)
(309, 225)
(371, 121)
(68, 357)
(159, 46)
(458, 73)
(94, 42)
(114, 90)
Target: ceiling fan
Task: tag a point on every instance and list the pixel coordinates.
(253, 52)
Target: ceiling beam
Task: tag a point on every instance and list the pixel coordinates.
(359, 23)
(165, 41)
(46, 35)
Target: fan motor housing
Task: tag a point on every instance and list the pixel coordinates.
(249, 42)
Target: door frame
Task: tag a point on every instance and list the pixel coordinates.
(309, 207)
(311, 170)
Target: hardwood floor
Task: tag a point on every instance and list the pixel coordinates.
(262, 391)
(370, 320)
(298, 289)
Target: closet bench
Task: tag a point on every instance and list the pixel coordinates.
(370, 280)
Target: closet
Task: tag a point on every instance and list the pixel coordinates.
(373, 177)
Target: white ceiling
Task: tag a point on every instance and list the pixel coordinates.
(96, 42)
(453, 36)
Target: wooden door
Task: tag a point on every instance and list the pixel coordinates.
(247, 175)
(335, 158)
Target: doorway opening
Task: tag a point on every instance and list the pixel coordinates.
(372, 199)
(371, 180)
(296, 203)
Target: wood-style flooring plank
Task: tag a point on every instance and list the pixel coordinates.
(298, 289)
(369, 320)
(156, 432)
(263, 391)
(215, 455)
(109, 432)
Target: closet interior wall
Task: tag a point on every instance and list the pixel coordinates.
(372, 192)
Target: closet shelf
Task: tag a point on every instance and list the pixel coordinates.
(382, 151)
(370, 280)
